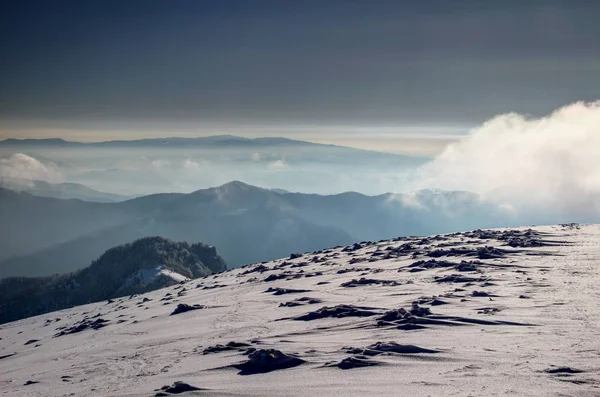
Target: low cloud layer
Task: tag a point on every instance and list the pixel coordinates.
(278, 165)
(535, 170)
(20, 166)
(550, 163)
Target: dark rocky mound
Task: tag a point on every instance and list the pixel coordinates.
(456, 278)
(301, 301)
(488, 310)
(83, 325)
(353, 269)
(230, 346)
(490, 253)
(571, 225)
(481, 252)
(120, 271)
(355, 362)
(389, 347)
(356, 260)
(431, 264)
(354, 247)
(401, 313)
(286, 275)
(431, 300)
(395, 315)
(267, 360)
(420, 317)
(484, 234)
(284, 291)
(563, 370)
(30, 382)
(290, 304)
(339, 311)
(176, 388)
(455, 251)
(502, 235)
(214, 286)
(516, 238)
(260, 268)
(412, 319)
(465, 266)
(182, 308)
(404, 249)
(368, 281)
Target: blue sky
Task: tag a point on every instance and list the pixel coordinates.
(95, 70)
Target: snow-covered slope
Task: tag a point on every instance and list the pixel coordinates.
(505, 312)
(151, 276)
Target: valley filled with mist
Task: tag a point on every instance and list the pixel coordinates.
(222, 190)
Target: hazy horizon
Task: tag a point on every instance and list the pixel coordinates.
(388, 76)
(386, 139)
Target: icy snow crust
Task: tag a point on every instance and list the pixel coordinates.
(485, 313)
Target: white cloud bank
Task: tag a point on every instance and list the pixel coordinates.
(548, 163)
(22, 166)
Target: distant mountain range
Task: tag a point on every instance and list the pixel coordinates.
(207, 141)
(65, 190)
(222, 142)
(42, 236)
(145, 265)
(170, 141)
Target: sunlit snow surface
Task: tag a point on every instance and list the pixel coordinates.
(523, 321)
(149, 276)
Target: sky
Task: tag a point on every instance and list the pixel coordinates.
(402, 76)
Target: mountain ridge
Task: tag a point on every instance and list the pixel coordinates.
(203, 141)
(262, 230)
(63, 190)
(248, 224)
(143, 265)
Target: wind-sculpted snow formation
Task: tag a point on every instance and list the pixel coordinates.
(494, 312)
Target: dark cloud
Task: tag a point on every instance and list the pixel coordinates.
(318, 62)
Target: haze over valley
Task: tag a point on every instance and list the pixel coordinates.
(222, 190)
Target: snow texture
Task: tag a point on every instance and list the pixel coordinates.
(499, 312)
(149, 276)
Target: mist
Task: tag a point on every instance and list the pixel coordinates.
(140, 171)
(548, 164)
(19, 166)
(544, 169)
(513, 170)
